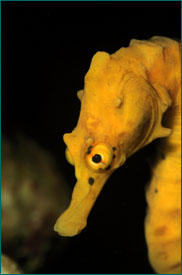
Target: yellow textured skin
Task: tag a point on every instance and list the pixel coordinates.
(126, 98)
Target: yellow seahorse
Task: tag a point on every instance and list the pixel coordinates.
(127, 97)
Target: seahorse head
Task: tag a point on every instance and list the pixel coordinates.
(118, 115)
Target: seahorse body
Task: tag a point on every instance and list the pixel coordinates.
(125, 98)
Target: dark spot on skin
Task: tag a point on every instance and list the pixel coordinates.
(178, 265)
(108, 167)
(96, 158)
(91, 181)
(89, 150)
(156, 190)
(160, 231)
(114, 148)
(163, 255)
(175, 213)
(114, 156)
(163, 156)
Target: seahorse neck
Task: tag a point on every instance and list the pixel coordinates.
(159, 60)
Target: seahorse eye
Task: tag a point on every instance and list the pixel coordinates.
(100, 156)
(69, 157)
(96, 158)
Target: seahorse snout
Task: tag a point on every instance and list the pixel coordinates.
(69, 226)
(74, 219)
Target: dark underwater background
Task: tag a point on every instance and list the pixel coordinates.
(46, 51)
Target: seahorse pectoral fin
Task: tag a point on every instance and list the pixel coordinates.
(74, 219)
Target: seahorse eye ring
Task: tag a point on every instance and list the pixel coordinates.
(100, 156)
